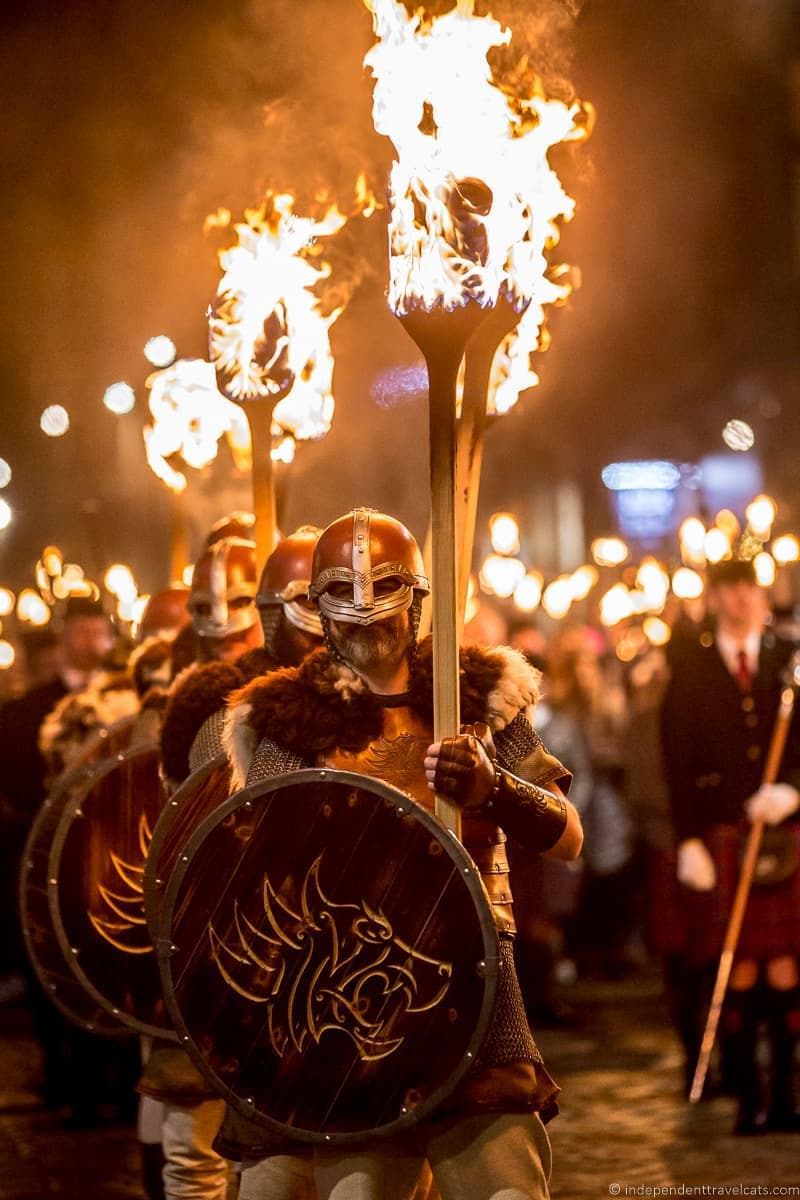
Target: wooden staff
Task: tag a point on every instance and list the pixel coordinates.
(771, 768)
(259, 418)
(470, 429)
(480, 353)
(442, 337)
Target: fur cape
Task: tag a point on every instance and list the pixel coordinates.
(323, 705)
(110, 696)
(197, 693)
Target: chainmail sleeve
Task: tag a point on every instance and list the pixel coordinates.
(521, 750)
(270, 759)
(207, 742)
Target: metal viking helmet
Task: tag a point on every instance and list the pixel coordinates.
(234, 524)
(222, 599)
(285, 582)
(166, 612)
(367, 567)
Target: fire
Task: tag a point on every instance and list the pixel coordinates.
(475, 204)
(190, 417)
(268, 331)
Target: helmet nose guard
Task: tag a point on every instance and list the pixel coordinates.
(363, 551)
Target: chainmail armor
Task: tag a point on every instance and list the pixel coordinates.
(270, 760)
(516, 741)
(207, 742)
(509, 1038)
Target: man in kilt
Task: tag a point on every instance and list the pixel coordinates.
(719, 713)
(364, 704)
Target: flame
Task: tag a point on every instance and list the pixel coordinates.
(475, 203)
(267, 328)
(190, 417)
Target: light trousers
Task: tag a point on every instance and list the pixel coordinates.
(492, 1156)
(193, 1170)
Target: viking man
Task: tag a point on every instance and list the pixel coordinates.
(225, 606)
(364, 704)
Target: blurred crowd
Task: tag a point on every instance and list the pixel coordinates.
(601, 713)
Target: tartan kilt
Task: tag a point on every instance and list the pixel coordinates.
(665, 918)
(771, 926)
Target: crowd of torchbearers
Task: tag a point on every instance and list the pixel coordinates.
(239, 916)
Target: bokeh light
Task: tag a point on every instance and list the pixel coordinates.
(5, 514)
(54, 421)
(760, 514)
(5, 473)
(160, 350)
(656, 631)
(583, 580)
(609, 551)
(786, 549)
(557, 598)
(528, 592)
(738, 435)
(500, 575)
(7, 655)
(504, 533)
(7, 601)
(31, 608)
(119, 398)
(687, 584)
(764, 567)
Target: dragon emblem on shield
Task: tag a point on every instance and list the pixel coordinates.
(322, 967)
(117, 913)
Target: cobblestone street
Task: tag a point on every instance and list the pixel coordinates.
(623, 1122)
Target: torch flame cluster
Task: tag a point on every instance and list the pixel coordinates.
(189, 418)
(268, 333)
(475, 203)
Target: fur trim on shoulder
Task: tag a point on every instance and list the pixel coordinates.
(516, 690)
(308, 709)
(239, 740)
(256, 662)
(195, 695)
(155, 699)
(322, 705)
(151, 663)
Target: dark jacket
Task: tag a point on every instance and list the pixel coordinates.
(716, 738)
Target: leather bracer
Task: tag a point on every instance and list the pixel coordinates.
(530, 815)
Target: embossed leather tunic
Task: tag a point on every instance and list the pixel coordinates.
(397, 757)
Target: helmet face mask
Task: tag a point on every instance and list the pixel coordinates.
(283, 590)
(222, 600)
(367, 567)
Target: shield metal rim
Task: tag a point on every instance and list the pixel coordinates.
(80, 776)
(404, 805)
(154, 887)
(104, 768)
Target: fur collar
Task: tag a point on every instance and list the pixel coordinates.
(323, 705)
(197, 693)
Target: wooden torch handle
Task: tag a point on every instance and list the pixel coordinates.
(259, 418)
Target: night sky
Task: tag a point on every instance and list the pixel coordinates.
(127, 122)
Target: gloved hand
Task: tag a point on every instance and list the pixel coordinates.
(772, 803)
(696, 868)
(460, 767)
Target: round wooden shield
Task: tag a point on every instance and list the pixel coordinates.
(95, 888)
(46, 955)
(331, 964)
(186, 809)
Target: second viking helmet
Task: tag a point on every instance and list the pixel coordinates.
(367, 567)
(285, 581)
(222, 599)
